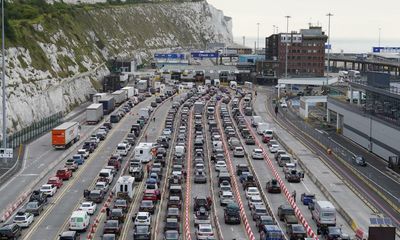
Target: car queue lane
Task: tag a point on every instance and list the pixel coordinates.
(227, 231)
(67, 199)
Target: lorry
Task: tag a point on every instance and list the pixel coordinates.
(65, 135)
(119, 96)
(130, 91)
(94, 113)
(142, 86)
(354, 74)
(198, 107)
(108, 104)
(262, 127)
(98, 96)
(324, 215)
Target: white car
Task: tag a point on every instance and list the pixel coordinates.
(257, 154)
(255, 200)
(167, 132)
(204, 231)
(102, 186)
(48, 189)
(283, 104)
(95, 138)
(274, 148)
(89, 207)
(84, 152)
(220, 165)
(23, 219)
(238, 152)
(226, 197)
(143, 218)
(252, 191)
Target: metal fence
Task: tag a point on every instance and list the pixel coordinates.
(34, 130)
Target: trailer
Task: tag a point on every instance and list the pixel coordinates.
(142, 86)
(108, 105)
(198, 107)
(65, 135)
(125, 188)
(130, 91)
(98, 96)
(120, 97)
(94, 113)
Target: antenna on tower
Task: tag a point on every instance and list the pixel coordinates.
(310, 23)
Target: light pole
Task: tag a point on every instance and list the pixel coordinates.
(273, 29)
(3, 77)
(287, 43)
(258, 35)
(379, 40)
(329, 46)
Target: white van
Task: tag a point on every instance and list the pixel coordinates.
(79, 221)
(324, 213)
(122, 149)
(107, 174)
(262, 127)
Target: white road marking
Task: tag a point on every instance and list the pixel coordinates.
(305, 186)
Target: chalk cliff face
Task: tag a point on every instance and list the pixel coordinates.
(56, 62)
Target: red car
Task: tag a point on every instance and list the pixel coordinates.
(115, 163)
(150, 195)
(266, 138)
(56, 181)
(64, 174)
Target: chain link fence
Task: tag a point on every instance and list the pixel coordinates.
(34, 130)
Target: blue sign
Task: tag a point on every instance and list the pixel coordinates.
(170, 55)
(205, 54)
(386, 49)
(328, 46)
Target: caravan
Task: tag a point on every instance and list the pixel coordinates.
(143, 152)
(125, 186)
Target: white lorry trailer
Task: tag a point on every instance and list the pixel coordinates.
(130, 91)
(119, 96)
(94, 113)
(198, 107)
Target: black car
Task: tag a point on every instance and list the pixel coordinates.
(34, 207)
(147, 206)
(10, 231)
(158, 100)
(153, 104)
(273, 186)
(142, 232)
(172, 224)
(89, 146)
(112, 226)
(69, 235)
(38, 196)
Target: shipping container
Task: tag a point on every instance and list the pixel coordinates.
(108, 105)
(94, 113)
(65, 135)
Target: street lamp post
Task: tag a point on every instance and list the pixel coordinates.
(379, 39)
(3, 77)
(273, 29)
(258, 35)
(287, 43)
(329, 46)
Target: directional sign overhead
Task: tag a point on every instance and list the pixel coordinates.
(205, 54)
(386, 49)
(170, 55)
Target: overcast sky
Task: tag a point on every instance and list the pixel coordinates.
(353, 19)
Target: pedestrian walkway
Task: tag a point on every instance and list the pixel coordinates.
(348, 204)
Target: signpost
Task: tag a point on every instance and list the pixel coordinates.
(6, 153)
(169, 55)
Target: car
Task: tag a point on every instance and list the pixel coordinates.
(290, 219)
(233, 142)
(288, 167)
(38, 196)
(204, 231)
(225, 198)
(142, 232)
(64, 174)
(167, 132)
(34, 207)
(84, 152)
(199, 202)
(333, 233)
(109, 236)
(296, 231)
(69, 235)
(173, 213)
(252, 191)
(10, 231)
(257, 153)
(238, 152)
(89, 207)
(56, 181)
(232, 214)
(48, 189)
(258, 210)
(89, 146)
(147, 206)
(250, 140)
(273, 186)
(117, 214)
(23, 219)
(255, 200)
(172, 235)
(71, 165)
(150, 194)
(241, 168)
(200, 177)
(264, 220)
(95, 195)
(78, 159)
(121, 204)
(273, 148)
(306, 198)
(283, 210)
(360, 160)
(202, 216)
(142, 218)
(220, 165)
(171, 224)
(112, 226)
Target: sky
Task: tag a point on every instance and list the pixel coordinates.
(352, 20)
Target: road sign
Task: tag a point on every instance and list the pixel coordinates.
(386, 49)
(204, 54)
(328, 46)
(169, 55)
(6, 153)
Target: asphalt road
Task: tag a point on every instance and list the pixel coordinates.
(55, 217)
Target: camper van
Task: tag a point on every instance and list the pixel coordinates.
(125, 186)
(143, 152)
(324, 214)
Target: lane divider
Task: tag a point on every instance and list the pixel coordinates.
(188, 178)
(286, 192)
(247, 226)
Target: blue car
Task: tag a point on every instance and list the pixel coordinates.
(79, 159)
